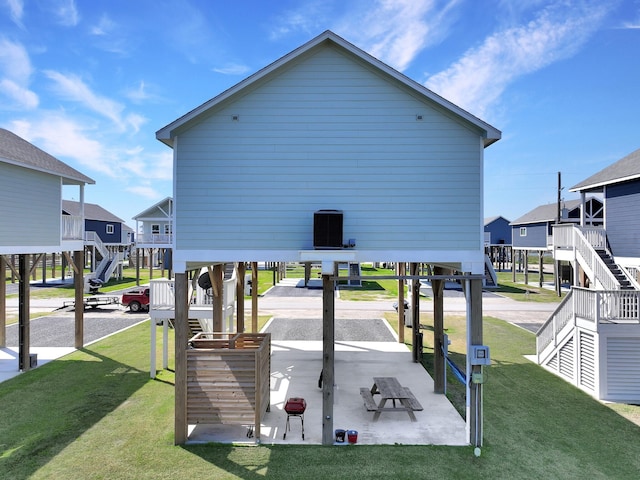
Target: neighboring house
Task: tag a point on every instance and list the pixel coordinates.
(326, 155)
(31, 183)
(497, 231)
(154, 226)
(593, 338)
(107, 238)
(534, 230)
(154, 234)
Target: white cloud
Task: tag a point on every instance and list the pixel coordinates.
(144, 191)
(15, 75)
(396, 31)
(103, 27)
(22, 97)
(60, 136)
(479, 78)
(65, 11)
(16, 10)
(232, 69)
(73, 88)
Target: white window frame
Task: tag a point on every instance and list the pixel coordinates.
(155, 229)
(523, 231)
(110, 229)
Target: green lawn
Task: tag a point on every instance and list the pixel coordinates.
(96, 414)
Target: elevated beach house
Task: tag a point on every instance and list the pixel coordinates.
(328, 155)
(593, 339)
(32, 225)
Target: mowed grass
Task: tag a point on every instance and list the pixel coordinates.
(96, 414)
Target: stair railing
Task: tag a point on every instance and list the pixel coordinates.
(585, 241)
(548, 332)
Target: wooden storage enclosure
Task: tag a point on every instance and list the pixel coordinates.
(228, 379)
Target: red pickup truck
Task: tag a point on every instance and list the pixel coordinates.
(137, 299)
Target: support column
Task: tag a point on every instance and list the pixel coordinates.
(181, 340)
(138, 267)
(439, 367)
(474, 336)
(328, 355)
(415, 313)
(540, 268)
(401, 268)
(216, 287)
(254, 297)
(23, 314)
(3, 302)
(78, 282)
(240, 297)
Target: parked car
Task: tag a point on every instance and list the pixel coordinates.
(137, 300)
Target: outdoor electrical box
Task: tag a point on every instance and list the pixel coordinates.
(327, 229)
(480, 355)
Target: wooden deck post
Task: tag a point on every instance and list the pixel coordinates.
(439, 367)
(138, 267)
(23, 314)
(78, 283)
(475, 420)
(181, 339)
(540, 268)
(328, 354)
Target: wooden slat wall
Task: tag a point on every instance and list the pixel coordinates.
(224, 385)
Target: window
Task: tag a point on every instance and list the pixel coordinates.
(110, 229)
(155, 229)
(167, 229)
(523, 231)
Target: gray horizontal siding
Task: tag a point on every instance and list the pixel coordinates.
(623, 229)
(30, 212)
(329, 134)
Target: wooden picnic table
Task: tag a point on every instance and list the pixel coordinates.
(389, 388)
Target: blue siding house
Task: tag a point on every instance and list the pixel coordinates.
(326, 155)
(593, 339)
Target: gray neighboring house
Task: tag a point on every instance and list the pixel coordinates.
(593, 339)
(32, 224)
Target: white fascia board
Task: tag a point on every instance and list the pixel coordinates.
(605, 183)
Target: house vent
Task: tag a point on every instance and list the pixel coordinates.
(327, 229)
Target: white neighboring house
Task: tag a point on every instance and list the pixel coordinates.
(593, 339)
(326, 155)
(154, 232)
(31, 219)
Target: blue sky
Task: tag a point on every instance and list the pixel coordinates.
(91, 81)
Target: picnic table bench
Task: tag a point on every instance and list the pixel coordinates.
(389, 388)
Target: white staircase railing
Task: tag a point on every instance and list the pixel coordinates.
(584, 241)
(592, 307)
(94, 239)
(562, 316)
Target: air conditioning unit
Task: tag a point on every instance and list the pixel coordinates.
(327, 229)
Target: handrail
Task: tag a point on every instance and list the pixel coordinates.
(584, 241)
(560, 317)
(91, 236)
(593, 306)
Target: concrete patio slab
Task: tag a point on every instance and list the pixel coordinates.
(295, 370)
